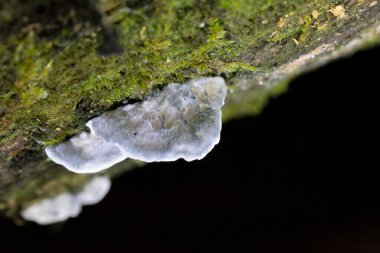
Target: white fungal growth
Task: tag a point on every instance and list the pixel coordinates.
(50, 211)
(94, 191)
(182, 121)
(85, 153)
(66, 205)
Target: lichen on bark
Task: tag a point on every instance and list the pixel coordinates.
(65, 62)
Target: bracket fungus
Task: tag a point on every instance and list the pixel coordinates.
(85, 153)
(50, 211)
(181, 121)
(94, 191)
(67, 205)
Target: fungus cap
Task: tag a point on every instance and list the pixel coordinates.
(181, 121)
(53, 210)
(67, 205)
(85, 153)
(94, 191)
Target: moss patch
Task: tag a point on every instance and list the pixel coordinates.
(65, 62)
(56, 79)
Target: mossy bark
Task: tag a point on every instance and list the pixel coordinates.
(65, 62)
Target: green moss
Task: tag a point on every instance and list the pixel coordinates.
(61, 81)
(54, 77)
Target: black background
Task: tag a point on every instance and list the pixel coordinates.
(301, 177)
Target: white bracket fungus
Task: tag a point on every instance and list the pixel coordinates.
(94, 191)
(182, 121)
(54, 210)
(85, 153)
(66, 205)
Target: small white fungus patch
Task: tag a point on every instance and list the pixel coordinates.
(50, 211)
(85, 153)
(94, 191)
(66, 205)
(182, 121)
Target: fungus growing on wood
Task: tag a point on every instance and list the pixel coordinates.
(94, 191)
(85, 153)
(67, 205)
(54, 210)
(181, 121)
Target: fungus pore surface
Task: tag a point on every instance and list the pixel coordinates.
(181, 121)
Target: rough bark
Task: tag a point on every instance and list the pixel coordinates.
(65, 62)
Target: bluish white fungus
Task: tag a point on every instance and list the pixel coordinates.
(54, 210)
(94, 191)
(85, 153)
(182, 121)
(66, 205)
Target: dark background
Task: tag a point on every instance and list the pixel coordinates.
(301, 177)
